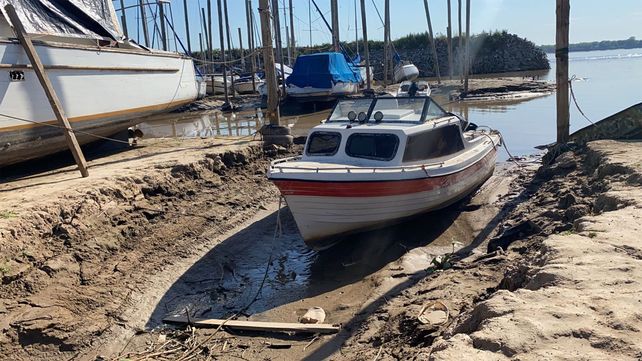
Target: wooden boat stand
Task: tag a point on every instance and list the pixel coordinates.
(56, 106)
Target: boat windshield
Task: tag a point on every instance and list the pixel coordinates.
(388, 110)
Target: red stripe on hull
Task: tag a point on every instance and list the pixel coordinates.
(377, 189)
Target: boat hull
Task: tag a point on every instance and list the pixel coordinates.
(310, 94)
(405, 72)
(101, 92)
(325, 211)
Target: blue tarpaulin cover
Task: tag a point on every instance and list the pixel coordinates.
(323, 70)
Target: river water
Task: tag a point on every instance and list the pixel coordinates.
(606, 82)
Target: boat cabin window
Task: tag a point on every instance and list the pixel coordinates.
(323, 143)
(434, 143)
(400, 109)
(372, 146)
(434, 111)
(343, 108)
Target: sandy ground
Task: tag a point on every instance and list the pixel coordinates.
(85, 260)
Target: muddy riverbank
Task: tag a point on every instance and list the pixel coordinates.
(84, 260)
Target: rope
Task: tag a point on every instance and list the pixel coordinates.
(570, 86)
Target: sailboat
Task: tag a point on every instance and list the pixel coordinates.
(105, 81)
(404, 70)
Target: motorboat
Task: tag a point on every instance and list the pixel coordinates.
(423, 88)
(405, 70)
(374, 162)
(245, 84)
(323, 77)
(216, 83)
(105, 82)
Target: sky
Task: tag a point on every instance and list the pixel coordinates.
(532, 19)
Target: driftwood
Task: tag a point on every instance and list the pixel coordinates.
(258, 326)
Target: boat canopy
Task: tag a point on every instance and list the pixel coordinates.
(387, 110)
(323, 70)
(75, 18)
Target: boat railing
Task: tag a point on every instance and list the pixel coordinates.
(276, 165)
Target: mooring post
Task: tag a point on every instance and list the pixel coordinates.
(334, 8)
(386, 42)
(187, 32)
(292, 41)
(450, 42)
(56, 106)
(223, 59)
(123, 17)
(250, 40)
(432, 43)
(143, 20)
(274, 133)
(161, 15)
(561, 72)
(365, 43)
(467, 56)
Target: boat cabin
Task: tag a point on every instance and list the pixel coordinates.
(385, 132)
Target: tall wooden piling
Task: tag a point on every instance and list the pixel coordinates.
(241, 49)
(223, 59)
(450, 42)
(55, 103)
(460, 51)
(268, 59)
(161, 15)
(279, 42)
(292, 41)
(143, 19)
(210, 39)
(187, 30)
(386, 43)
(431, 38)
(287, 36)
(334, 9)
(561, 72)
(467, 50)
(365, 44)
(229, 42)
(123, 17)
(250, 40)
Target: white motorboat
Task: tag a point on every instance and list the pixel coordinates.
(216, 83)
(323, 77)
(422, 89)
(378, 161)
(245, 85)
(105, 83)
(405, 70)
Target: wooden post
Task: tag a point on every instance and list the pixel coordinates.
(279, 43)
(287, 36)
(432, 43)
(292, 41)
(56, 106)
(229, 42)
(450, 43)
(242, 50)
(334, 8)
(386, 43)
(460, 49)
(143, 19)
(223, 59)
(561, 72)
(268, 59)
(161, 15)
(250, 40)
(467, 50)
(365, 43)
(123, 17)
(210, 39)
(187, 33)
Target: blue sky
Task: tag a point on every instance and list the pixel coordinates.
(533, 19)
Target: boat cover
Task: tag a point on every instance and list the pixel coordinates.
(323, 70)
(78, 18)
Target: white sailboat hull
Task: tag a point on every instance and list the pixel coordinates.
(405, 72)
(102, 91)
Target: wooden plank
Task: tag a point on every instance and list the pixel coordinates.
(257, 325)
(56, 106)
